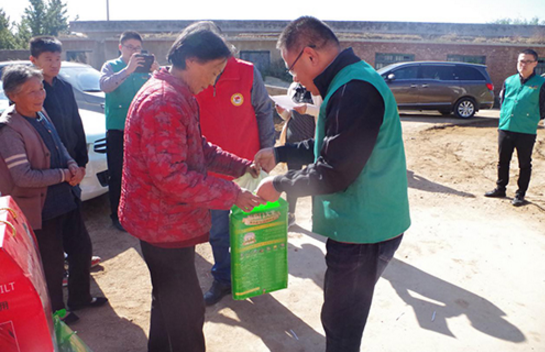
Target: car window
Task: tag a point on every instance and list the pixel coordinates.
(82, 78)
(442, 73)
(406, 73)
(466, 73)
(4, 101)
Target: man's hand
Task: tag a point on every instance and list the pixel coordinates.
(253, 170)
(301, 108)
(280, 110)
(155, 65)
(265, 159)
(266, 190)
(247, 201)
(134, 62)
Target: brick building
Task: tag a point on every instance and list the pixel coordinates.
(378, 43)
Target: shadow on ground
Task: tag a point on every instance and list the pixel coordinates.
(423, 184)
(264, 316)
(104, 331)
(443, 300)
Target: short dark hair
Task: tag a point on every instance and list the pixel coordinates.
(306, 31)
(14, 76)
(129, 35)
(43, 44)
(529, 52)
(200, 43)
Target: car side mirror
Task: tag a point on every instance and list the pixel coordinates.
(391, 77)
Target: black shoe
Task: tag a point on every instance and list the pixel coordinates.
(518, 200)
(291, 219)
(216, 293)
(118, 225)
(496, 193)
(95, 302)
(70, 318)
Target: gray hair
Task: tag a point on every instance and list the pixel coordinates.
(16, 75)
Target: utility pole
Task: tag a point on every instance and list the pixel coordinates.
(107, 10)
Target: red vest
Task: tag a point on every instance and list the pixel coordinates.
(227, 116)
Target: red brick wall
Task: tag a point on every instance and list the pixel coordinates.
(501, 60)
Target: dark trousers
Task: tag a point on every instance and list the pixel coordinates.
(177, 308)
(352, 272)
(114, 142)
(220, 242)
(66, 233)
(524, 144)
(292, 200)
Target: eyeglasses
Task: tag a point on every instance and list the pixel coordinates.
(133, 48)
(290, 69)
(526, 62)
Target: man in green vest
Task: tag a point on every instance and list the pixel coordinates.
(522, 101)
(120, 81)
(356, 174)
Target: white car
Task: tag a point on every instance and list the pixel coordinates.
(95, 182)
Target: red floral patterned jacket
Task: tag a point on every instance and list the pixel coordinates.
(166, 192)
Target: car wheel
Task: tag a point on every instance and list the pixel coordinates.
(445, 112)
(464, 108)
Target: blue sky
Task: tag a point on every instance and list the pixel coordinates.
(458, 11)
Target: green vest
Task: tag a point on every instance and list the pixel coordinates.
(375, 207)
(520, 108)
(118, 101)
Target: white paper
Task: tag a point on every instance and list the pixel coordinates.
(284, 101)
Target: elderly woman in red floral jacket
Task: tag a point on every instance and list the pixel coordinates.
(166, 191)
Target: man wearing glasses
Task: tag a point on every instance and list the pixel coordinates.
(522, 99)
(356, 174)
(120, 81)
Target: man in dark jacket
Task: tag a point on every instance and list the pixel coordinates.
(356, 174)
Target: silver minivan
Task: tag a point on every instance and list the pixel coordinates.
(448, 87)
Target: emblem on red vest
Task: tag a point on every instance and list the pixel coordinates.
(237, 99)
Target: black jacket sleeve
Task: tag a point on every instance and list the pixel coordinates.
(542, 102)
(81, 157)
(502, 94)
(354, 115)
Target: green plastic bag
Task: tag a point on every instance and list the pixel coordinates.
(67, 340)
(259, 254)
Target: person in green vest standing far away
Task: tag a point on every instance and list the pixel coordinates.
(522, 99)
(120, 81)
(356, 174)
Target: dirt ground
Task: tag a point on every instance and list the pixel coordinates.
(469, 275)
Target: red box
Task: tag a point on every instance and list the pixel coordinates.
(26, 323)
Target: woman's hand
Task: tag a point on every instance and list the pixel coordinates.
(247, 201)
(78, 176)
(253, 170)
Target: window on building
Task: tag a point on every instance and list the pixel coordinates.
(260, 58)
(77, 56)
(467, 58)
(540, 68)
(382, 60)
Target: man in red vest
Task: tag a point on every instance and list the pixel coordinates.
(235, 114)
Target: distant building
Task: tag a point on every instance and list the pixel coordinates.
(378, 43)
